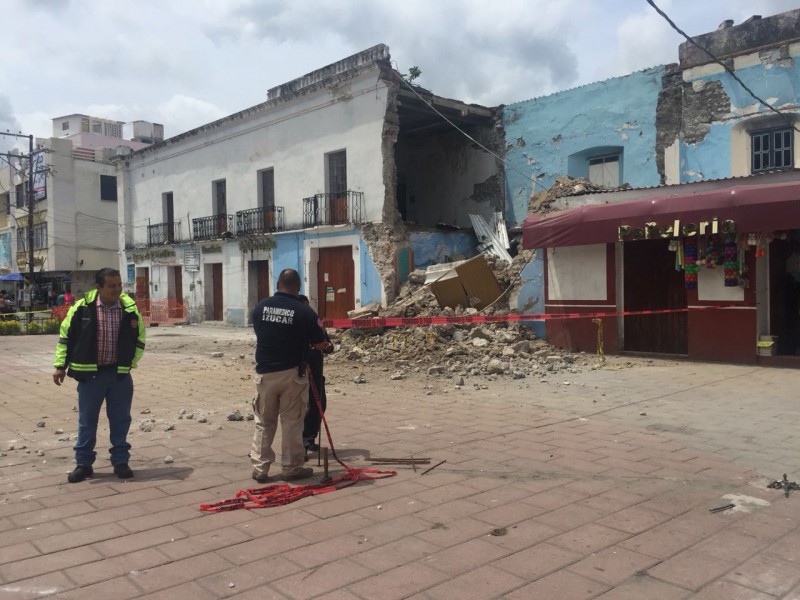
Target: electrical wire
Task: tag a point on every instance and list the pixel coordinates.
(730, 71)
(507, 164)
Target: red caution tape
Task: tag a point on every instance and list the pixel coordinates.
(469, 319)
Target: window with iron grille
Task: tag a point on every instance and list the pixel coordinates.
(772, 149)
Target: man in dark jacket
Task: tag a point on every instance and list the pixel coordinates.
(284, 328)
(101, 340)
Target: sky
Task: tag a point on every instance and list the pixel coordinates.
(184, 63)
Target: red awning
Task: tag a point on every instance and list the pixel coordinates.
(752, 208)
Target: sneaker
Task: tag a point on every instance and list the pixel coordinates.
(299, 473)
(260, 477)
(123, 471)
(80, 473)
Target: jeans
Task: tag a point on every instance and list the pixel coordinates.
(118, 395)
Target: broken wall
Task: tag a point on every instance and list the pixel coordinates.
(543, 135)
(718, 114)
(446, 177)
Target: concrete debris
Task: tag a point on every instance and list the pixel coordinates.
(40, 453)
(249, 417)
(359, 378)
(235, 416)
(396, 375)
(169, 460)
(217, 354)
(542, 201)
(202, 420)
(59, 431)
(147, 425)
(40, 424)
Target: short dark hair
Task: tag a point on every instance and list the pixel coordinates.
(100, 276)
(290, 279)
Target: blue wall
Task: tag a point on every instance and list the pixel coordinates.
(542, 134)
(434, 247)
(711, 157)
(288, 254)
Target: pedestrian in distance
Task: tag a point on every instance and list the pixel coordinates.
(313, 420)
(284, 328)
(101, 339)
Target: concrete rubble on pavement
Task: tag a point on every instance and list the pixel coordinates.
(541, 490)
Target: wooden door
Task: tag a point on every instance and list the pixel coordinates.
(335, 282)
(652, 283)
(143, 290)
(176, 303)
(262, 279)
(216, 275)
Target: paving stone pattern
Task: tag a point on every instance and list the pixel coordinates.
(594, 484)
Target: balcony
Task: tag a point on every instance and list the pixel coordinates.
(213, 227)
(332, 209)
(164, 233)
(267, 219)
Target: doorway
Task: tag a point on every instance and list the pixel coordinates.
(784, 295)
(175, 295)
(213, 291)
(652, 283)
(257, 284)
(143, 290)
(335, 282)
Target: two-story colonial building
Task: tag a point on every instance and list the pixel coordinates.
(349, 174)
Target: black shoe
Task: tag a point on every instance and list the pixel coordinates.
(260, 477)
(311, 446)
(80, 473)
(123, 471)
(299, 473)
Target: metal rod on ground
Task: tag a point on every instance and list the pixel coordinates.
(325, 478)
(433, 467)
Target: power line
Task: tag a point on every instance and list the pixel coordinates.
(730, 71)
(468, 136)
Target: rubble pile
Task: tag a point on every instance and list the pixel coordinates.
(480, 349)
(541, 202)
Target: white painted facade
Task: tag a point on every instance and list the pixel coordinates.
(292, 134)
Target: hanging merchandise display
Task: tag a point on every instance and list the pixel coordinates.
(730, 264)
(691, 266)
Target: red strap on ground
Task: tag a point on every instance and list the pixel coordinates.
(280, 494)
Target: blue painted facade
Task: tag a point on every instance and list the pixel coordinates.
(288, 254)
(778, 83)
(434, 247)
(557, 135)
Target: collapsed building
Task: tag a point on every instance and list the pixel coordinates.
(350, 174)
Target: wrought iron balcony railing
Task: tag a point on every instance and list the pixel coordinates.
(332, 209)
(266, 219)
(164, 233)
(213, 227)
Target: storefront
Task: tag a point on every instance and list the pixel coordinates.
(717, 270)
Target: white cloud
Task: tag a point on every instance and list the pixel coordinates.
(187, 62)
(185, 113)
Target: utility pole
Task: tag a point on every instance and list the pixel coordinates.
(30, 195)
(31, 209)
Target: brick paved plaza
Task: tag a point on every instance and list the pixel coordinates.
(596, 484)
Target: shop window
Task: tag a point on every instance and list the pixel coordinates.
(771, 149)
